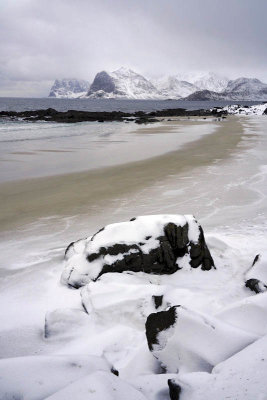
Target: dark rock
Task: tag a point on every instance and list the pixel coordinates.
(256, 259)
(157, 301)
(174, 389)
(256, 285)
(146, 120)
(114, 371)
(157, 322)
(73, 116)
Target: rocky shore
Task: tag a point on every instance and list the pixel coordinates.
(72, 116)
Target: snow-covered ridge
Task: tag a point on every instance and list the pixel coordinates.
(69, 88)
(124, 83)
(239, 89)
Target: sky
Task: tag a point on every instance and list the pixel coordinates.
(41, 40)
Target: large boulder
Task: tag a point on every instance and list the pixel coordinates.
(155, 244)
(186, 341)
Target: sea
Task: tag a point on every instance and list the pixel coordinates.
(23, 104)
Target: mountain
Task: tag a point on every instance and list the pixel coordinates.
(247, 88)
(125, 83)
(205, 81)
(69, 88)
(172, 87)
(238, 89)
(122, 83)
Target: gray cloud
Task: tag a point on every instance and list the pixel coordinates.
(45, 39)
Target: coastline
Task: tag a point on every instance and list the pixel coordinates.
(25, 201)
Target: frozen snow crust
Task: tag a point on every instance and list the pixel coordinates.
(154, 244)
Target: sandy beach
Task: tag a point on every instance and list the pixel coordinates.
(26, 200)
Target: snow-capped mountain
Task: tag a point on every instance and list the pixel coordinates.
(205, 81)
(174, 88)
(238, 89)
(122, 83)
(125, 83)
(247, 88)
(69, 88)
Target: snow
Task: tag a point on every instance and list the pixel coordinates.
(205, 80)
(99, 385)
(197, 342)
(241, 377)
(36, 377)
(174, 88)
(248, 314)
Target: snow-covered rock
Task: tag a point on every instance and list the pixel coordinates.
(37, 377)
(186, 341)
(248, 314)
(242, 376)
(258, 109)
(122, 83)
(137, 298)
(98, 386)
(69, 88)
(64, 322)
(154, 244)
(256, 277)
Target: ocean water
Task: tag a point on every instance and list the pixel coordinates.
(22, 104)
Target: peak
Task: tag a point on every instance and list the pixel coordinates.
(124, 70)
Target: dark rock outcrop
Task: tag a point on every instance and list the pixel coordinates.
(73, 116)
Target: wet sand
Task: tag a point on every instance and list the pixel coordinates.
(25, 201)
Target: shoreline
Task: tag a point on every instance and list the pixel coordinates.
(27, 200)
(74, 116)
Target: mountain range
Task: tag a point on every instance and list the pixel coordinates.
(124, 83)
(69, 88)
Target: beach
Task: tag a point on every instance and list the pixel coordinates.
(186, 146)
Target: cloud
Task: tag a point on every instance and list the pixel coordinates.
(46, 39)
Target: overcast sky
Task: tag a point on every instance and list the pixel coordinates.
(41, 40)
